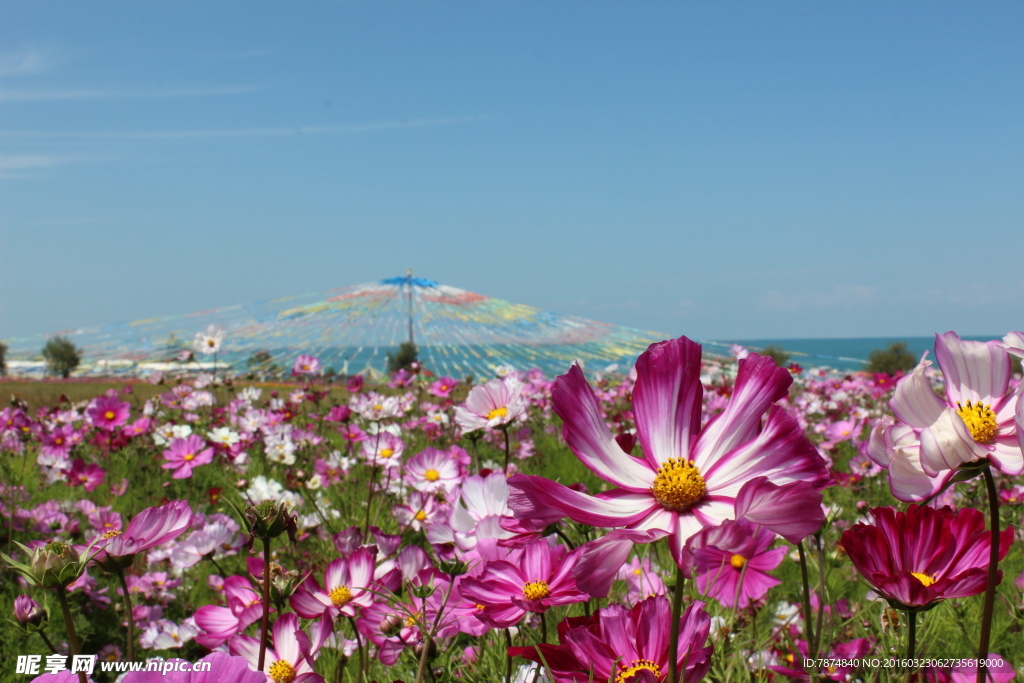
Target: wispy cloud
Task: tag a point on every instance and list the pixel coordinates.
(39, 95)
(346, 129)
(27, 62)
(26, 162)
(841, 296)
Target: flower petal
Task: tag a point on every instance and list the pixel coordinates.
(914, 402)
(974, 370)
(759, 384)
(533, 496)
(667, 399)
(588, 436)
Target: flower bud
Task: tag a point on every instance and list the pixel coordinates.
(269, 520)
(391, 624)
(423, 591)
(453, 567)
(417, 650)
(28, 612)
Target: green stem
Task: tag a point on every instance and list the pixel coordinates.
(265, 622)
(47, 641)
(131, 617)
(673, 638)
(818, 631)
(808, 625)
(359, 646)
(504, 428)
(911, 643)
(69, 624)
(508, 657)
(993, 568)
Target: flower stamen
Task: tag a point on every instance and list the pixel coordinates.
(341, 596)
(980, 420)
(678, 484)
(635, 667)
(536, 590)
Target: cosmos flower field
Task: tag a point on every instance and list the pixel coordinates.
(695, 519)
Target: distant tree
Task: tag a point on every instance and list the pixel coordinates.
(330, 373)
(891, 360)
(3, 359)
(1015, 365)
(62, 356)
(404, 358)
(777, 354)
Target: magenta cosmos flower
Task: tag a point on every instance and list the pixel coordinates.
(222, 667)
(495, 403)
(152, 527)
(973, 421)
(690, 476)
(731, 562)
(346, 587)
(291, 658)
(107, 412)
(535, 579)
(919, 557)
(184, 454)
(626, 646)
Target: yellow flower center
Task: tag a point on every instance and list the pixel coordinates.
(378, 407)
(281, 672)
(413, 618)
(637, 666)
(431, 475)
(738, 561)
(341, 596)
(678, 484)
(924, 578)
(211, 343)
(536, 590)
(386, 452)
(980, 420)
(497, 412)
(638, 572)
(109, 415)
(189, 457)
(112, 533)
(421, 516)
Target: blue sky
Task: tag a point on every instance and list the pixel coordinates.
(721, 170)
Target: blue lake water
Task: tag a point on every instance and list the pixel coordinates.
(842, 354)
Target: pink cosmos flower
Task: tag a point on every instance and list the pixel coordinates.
(306, 365)
(59, 442)
(498, 402)
(220, 624)
(384, 450)
(627, 646)
(90, 476)
(731, 562)
(222, 668)
(152, 527)
(442, 387)
(642, 580)
(690, 475)
(291, 658)
(108, 413)
(184, 454)
(420, 510)
(432, 470)
(932, 436)
(533, 579)
(346, 587)
(916, 558)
